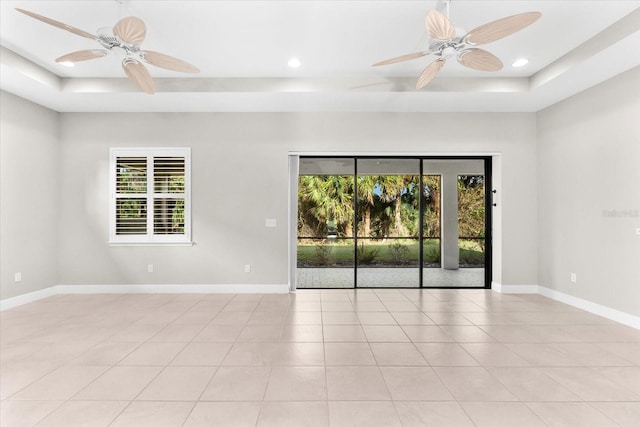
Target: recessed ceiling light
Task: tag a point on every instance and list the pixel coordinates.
(520, 62)
(67, 64)
(294, 63)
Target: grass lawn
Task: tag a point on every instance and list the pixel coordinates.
(392, 252)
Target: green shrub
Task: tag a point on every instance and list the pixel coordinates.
(324, 254)
(399, 252)
(366, 255)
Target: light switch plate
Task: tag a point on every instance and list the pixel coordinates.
(270, 222)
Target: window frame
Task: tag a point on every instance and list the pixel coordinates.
(149, 238)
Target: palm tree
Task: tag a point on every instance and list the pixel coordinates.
(366, 198)
(329, 198)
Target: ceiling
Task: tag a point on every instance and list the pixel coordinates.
(242, 49)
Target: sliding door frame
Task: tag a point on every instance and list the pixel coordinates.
(488, 209)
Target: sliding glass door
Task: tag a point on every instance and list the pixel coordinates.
(372, 222)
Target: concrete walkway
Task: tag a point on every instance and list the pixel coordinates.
(388, 277)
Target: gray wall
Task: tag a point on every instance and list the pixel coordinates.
(29, 196)
(240, 178)
(589, 195)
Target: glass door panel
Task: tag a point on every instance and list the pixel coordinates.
(387, 222)
(325, 223)
(471, 229)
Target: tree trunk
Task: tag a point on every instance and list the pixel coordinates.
(398, 228)
(367, 221)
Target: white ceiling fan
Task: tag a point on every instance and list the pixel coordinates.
(445, 44)
(124, 40)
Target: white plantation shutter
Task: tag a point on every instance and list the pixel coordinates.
(150, 195)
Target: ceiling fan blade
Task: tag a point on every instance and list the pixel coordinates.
(480, 59)
(82, 55)
(138, 74)
(58, 24)
(439, 26)
(401, 58)
(169, 62)
(430, 72)
(131, 30)
(500, 28)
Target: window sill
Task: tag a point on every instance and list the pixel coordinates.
(150, 243)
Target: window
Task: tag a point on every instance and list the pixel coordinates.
(150, 196)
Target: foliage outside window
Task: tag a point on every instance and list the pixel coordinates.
(150, 201)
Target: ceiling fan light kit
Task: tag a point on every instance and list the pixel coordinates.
(445, 44)
(123, 40)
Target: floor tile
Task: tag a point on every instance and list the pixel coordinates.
(304, 318)
(397, 354)
(179, 383)
(340, 318)
(411, 383)
(348, 354)
(356, 383)
(467, 334)
(589, 385)
(177, 332)
(296, 384)
(23, 413)
(153, 354)
(280, 414)
(237, 384)
(260, 333)
(533, 384)
(236, 414)
(420, 333)
(119, 383)
(154, 414)
(302, 333)
(568, 414)
(501, 414)
(219, 333)
(106, 353)
(83, 414)
(202, 354)
(343, 333)
(473, 384)
(627, 377)
(364, 414)
(375, 318)
(411, 318)
(272, 354)
(626, 414)
(61, 384)
(445, 354)
(432, 414)
(378, 333)
(494, 354)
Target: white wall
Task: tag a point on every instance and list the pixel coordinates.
(29, 201)
(589, 164)
(240, 178)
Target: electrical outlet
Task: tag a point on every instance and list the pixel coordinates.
(574, 278)
(17, 277)
(247, 268)
(150, 268)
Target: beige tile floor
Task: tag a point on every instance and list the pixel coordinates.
(387, 357)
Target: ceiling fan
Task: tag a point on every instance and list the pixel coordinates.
(445, 44)
(124, 40)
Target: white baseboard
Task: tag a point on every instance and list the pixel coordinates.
(172, 289)
(8, 303)
(514, 289)
(591, 307)
(12, 302)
